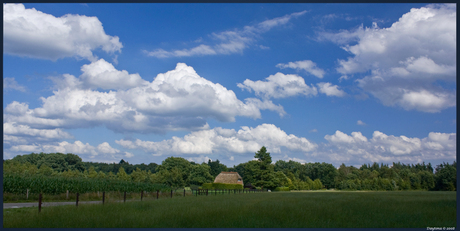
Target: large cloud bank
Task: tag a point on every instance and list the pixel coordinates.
(245, 140)
(409, 61)
(339, 148)
(388, 148)
(176, 100)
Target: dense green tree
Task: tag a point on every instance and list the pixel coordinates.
(110, 175)
(240, 169)
(101, 175)
(139, 175)
(178, 172)
(72, 159)
(122, 175)
(323, 171)
(216, 168)
(45, 170)
(426, 180)
(263, 156)
(155, 178)
(250, 172)
(288, 167)
(446, 177)
(182, 165)
(264, 174)
(280, 179)
(92, 173)
(200, 174)
(172, 177)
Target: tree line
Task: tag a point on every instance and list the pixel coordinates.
(177, 172)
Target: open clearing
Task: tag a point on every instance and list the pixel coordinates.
(339, 209)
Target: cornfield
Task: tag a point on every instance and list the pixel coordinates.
(56, 185)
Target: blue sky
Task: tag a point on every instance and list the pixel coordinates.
(334, 83)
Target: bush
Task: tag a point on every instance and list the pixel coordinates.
(55, 185)
(221, 186)
(282, 189)
(207, 186)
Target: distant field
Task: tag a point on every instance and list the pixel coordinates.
(407, 209)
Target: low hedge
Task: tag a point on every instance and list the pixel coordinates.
(221, 186)
(207, 186)
(281, 189)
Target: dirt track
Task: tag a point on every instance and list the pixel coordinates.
(44, 204)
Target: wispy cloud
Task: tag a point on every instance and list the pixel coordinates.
(10, 83)
(306, 65)
(228, 42)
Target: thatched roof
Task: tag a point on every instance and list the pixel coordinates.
(229, 178)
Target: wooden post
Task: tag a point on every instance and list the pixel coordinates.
(206, 192)
(184, 192)
(77, 199)
(157, 194)
(171, 193)
(67, 195)
(142, 194)
(27, 194)
(103, 197)
(40, 202)
(124, 197)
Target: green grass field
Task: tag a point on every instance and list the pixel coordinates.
(324, 209)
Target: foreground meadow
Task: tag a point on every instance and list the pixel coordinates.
(326, 209)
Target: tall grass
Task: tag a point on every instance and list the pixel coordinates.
(259, 210)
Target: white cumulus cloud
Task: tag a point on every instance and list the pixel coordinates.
(279, 85)
(356, 148)
(102, 74)
(32, 134)
(360, 122)
(32, 33)
(330, 90)
(101, 153)
(217, 140)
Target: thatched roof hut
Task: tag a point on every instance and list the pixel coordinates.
(229, 178)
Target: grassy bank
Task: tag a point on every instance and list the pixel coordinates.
(415, 209)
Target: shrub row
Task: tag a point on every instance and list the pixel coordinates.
(56, 185)
(221, 186)
(282, 189)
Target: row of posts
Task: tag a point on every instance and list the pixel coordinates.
(103, 197)
(142, 195)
